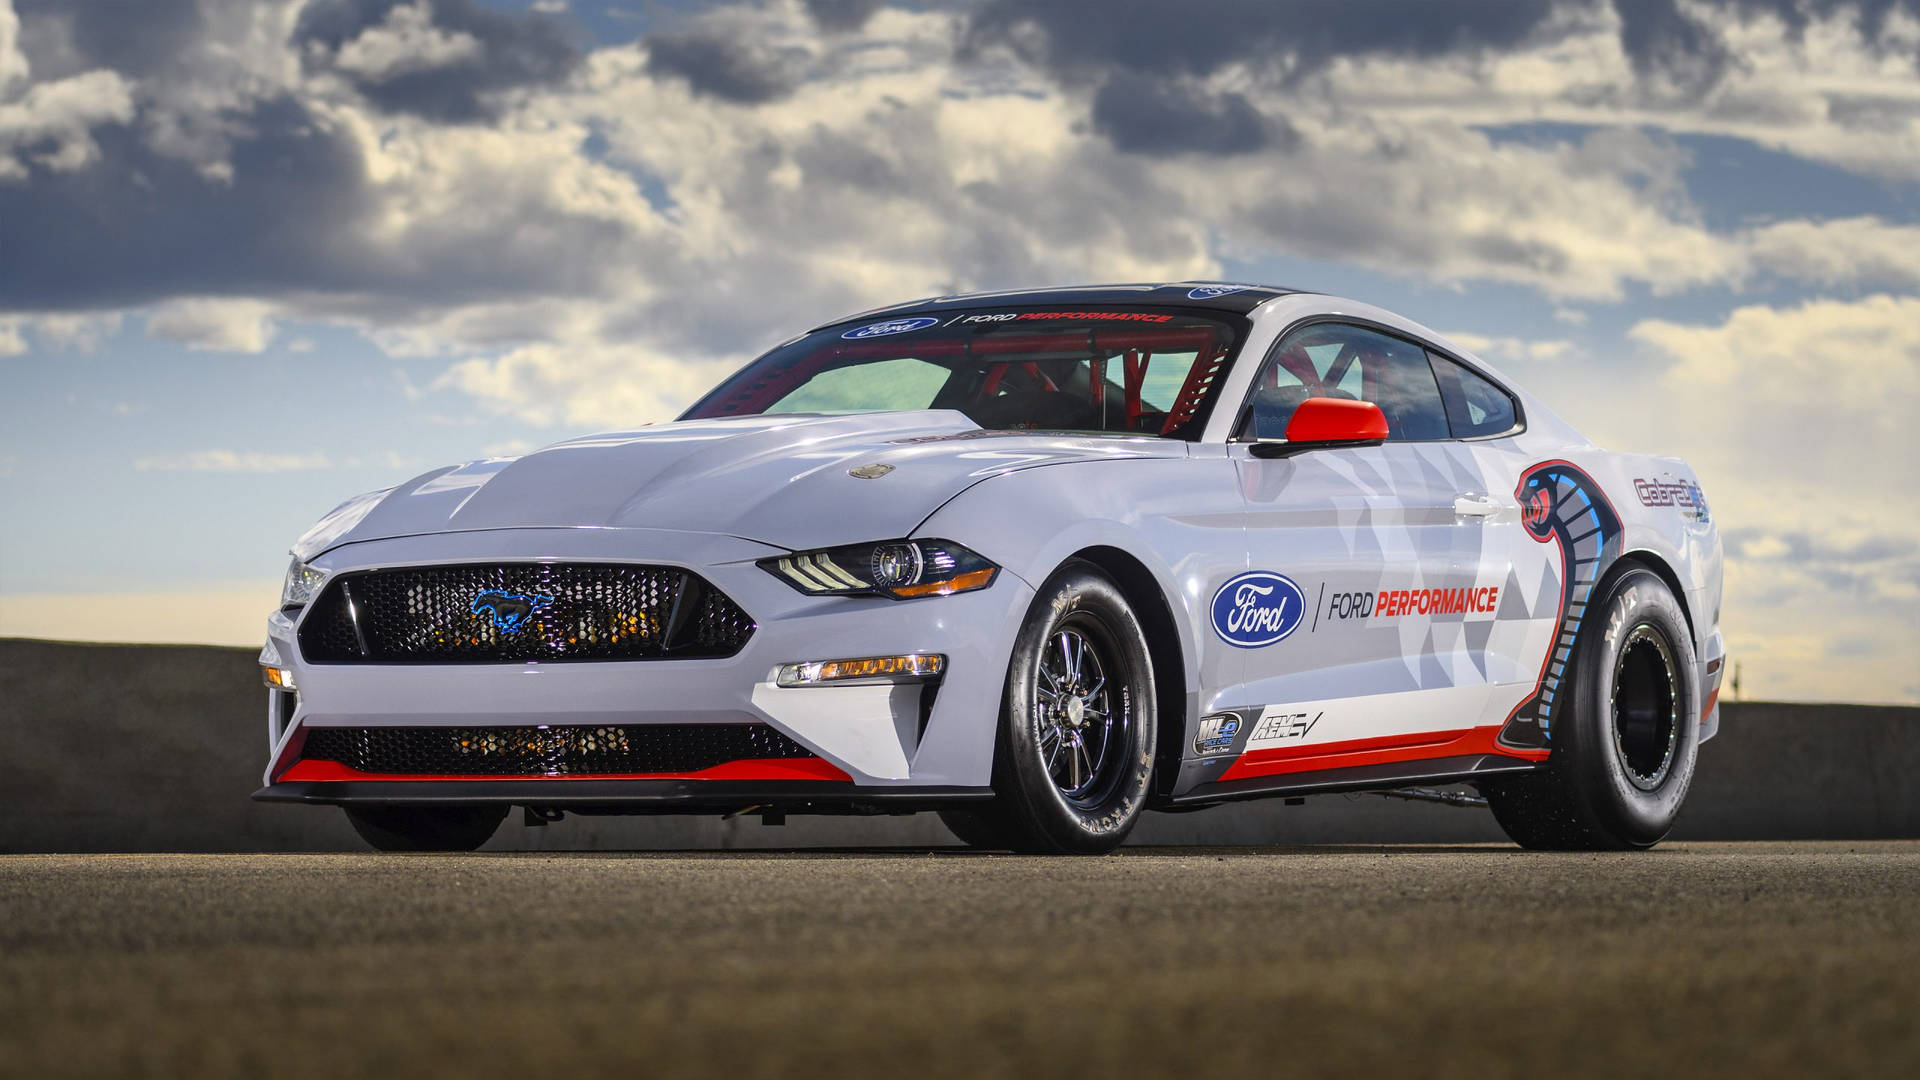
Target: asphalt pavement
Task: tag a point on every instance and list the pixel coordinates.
(1694, 959)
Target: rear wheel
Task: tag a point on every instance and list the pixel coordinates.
(1624, 752)
(426, 828)
(1075, 752)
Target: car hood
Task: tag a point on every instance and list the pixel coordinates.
(779, 480)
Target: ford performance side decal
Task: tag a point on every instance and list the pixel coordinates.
(1559, 502)
(1256, 609)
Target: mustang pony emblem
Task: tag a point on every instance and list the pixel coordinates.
(510, 611)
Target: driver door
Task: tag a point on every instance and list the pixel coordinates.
(1389, 549)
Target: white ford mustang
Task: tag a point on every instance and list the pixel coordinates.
(1040, 561)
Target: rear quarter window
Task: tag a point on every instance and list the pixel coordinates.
(1476, 407)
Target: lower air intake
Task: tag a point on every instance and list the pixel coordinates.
(610, 750)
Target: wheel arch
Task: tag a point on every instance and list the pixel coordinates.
(1143, 593)
(1642, 558)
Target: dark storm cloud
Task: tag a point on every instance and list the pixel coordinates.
(842, 14)
(1660, 37)
(133, 37)
(298, 217)
(1157, 116)
(138, 226)
(720, 65)
(1087, 39)
(514, 51)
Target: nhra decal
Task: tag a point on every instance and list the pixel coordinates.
(1685, 494)
(891, 326)
(1393, 603)
(1560, 503)
(1216, 734)
(1045, 316)
(1256, 609)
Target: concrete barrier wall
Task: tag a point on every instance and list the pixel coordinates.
(156, 748)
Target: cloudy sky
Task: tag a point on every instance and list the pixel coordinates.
(259, 255)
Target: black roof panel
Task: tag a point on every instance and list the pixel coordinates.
(1212, 295)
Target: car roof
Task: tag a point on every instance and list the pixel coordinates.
(1236, 297)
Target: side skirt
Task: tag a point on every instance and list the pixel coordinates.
(1447, 770)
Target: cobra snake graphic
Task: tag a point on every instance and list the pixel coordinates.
(1561, 503)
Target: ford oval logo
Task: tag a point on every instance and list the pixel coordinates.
(891, 326)
(1208, 292)
(1257, 609)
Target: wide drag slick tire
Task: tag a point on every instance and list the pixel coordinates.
(1624, 752)
(426, 828)
(1074, 757)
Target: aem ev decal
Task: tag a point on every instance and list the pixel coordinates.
(1277, 727)
(891, 326)
(1257, 608)
(510, 611)
(1216, 733)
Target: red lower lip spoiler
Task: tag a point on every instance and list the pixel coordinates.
(810, 768)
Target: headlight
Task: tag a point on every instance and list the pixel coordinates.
(902, 569)
(302, 582)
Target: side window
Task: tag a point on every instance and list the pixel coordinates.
(1332, 360)
(1475, 407)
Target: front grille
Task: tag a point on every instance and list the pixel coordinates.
(548, 751)
(514, 613)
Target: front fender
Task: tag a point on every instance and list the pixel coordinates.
(1180, 518)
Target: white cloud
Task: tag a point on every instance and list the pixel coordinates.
(214, 325)
(1513, 350)
(51, 124)
(233, 461)
(1800, 423)
(12, 342)
(407, 42)
(1849, 251)
(78, 333)
(13, 63)
(585, 385)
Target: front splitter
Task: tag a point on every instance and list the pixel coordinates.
(627, 796)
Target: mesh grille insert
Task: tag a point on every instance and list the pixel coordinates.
(521, 613)
(608, 750)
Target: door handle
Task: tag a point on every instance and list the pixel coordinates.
(1475, 506)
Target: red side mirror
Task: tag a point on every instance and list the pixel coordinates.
(1325, 423)
(1333, 420)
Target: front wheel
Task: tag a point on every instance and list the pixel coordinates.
(1623, 754)
(426, 828)
(1074, 758)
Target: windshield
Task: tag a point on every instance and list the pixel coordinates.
(1135, 371)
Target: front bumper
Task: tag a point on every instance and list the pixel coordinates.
(937, 738)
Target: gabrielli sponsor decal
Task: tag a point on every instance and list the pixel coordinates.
(1683, 494)
(1256, 609)
(1393, 603)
